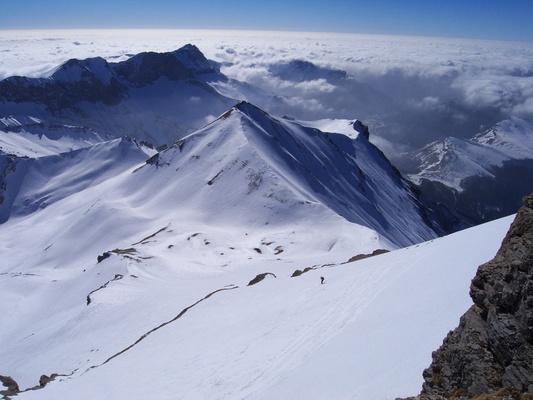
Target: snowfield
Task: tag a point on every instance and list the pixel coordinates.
(368, 332)
(231, 264)
(130, 278)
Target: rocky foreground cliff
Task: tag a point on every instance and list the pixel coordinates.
(490, 354)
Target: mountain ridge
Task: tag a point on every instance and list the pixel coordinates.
(483, 177)
(119, 99)
(322, 167)
(106, 243)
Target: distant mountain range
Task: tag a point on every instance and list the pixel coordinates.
(158, 98)
(160, 237)
(482, 178)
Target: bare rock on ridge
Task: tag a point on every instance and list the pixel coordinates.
(492, 349)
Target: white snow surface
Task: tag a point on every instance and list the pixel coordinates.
(368, 332)
(336, 125)
(452, 160)
(31, 137)
(513, 137)
(168, 314)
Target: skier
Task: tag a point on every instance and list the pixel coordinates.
(321, 280)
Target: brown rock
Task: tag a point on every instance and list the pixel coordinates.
(492, 349)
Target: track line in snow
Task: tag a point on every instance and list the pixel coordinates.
(231, 287)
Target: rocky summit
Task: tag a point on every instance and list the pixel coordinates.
(491, 352)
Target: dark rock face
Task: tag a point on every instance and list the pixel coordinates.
(10, 384)
(361, 128)
(103, 256)
(58, 94)
(145, 68)
(493, 346)
(45, 379)
(95, 80)
(259, 278)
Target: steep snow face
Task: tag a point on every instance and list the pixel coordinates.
(281, 162)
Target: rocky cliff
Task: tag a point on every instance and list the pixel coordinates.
(491, 352)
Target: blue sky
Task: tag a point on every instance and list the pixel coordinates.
(482, 19)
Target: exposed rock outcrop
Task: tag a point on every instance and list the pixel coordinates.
(11, 387)
(259, 278)
(492, 349)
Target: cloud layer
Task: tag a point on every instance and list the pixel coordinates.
(454, 84)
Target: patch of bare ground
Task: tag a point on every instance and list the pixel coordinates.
(363, 256)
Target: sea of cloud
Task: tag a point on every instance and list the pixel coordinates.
(438, 86)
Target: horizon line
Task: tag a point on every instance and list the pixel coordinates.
(267, 31)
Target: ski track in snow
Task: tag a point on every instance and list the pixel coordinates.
(214, 211)
(260, 341)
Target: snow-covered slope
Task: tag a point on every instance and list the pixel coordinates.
(283, 162)
(157, 97)
(146, 322)
(125, 271)
(277, 170)
(512, 137)
(453, 160)
(31, 137)
(484, 177)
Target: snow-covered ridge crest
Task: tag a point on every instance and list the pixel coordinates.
(452, 160)
(140, 69)
(151, 96)
(284, 160)
(482, 178)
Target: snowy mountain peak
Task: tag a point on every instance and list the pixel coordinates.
(452, 160)
(250, 110)
(89, 70)
(287, 166)
(184, 63)
(512, 137)
(156, 97)
(191, 56)
(484, 177)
